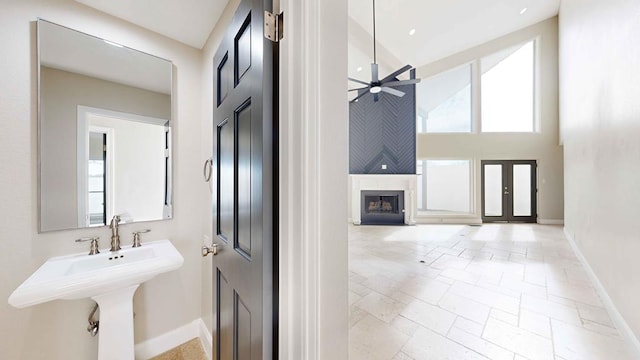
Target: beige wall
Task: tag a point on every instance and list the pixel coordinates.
(59, 133)
(56, 330)
(600, 117)
(542, 146)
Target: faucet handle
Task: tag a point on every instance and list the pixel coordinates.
(94, 244)
(136, 237)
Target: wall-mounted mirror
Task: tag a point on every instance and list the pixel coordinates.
(104, 131)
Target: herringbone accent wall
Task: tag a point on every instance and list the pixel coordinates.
(383, 133)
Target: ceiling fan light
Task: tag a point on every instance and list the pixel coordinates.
(375, 89)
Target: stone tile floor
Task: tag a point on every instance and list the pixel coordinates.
(496, 291)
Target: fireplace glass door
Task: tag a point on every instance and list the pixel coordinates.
(382, 207)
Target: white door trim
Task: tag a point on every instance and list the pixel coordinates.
(313, 316)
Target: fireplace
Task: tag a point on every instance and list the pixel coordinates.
(382, 207)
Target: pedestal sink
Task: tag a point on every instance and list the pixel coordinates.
(109, 278)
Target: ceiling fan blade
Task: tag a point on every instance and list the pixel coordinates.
(391, 91)
(359, 81)
(374, 72)
(402, 82)
(362, 88)
(394, 74)
(358, 97)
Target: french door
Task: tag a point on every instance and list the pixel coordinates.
(245, 200)
(509, 191)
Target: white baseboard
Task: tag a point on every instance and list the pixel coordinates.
(206, 339)
(616, 317)
(174, 338)
(550, 221)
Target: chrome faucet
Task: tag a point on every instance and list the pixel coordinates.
(115, 237)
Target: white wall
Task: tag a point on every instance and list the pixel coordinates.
(543, 146)
(600, 117)
(57, 330)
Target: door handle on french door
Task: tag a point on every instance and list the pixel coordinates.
(206, 250)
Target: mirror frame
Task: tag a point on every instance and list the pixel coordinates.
(168, 214)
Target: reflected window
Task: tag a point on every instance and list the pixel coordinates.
(96, 193)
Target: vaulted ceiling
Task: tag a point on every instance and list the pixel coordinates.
(440, 27)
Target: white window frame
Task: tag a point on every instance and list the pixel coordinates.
(476, 94)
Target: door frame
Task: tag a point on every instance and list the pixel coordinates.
(313, 249)
(507, 201)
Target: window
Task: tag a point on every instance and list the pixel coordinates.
(444, 185)
(507, 90)
(444, 102)
(505, 101)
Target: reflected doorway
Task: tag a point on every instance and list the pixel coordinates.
(97, 178)
(509, 191)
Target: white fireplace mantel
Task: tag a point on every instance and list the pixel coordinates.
(406, 183)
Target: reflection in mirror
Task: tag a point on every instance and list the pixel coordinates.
(104, 131)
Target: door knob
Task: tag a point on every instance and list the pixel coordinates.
(213, 249)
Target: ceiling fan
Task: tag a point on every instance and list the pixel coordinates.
(386, 84)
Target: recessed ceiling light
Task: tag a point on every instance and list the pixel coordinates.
(412, 31)
(524, 10)
(359, 69)
(112, 43)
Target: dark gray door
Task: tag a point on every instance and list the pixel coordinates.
(244, 273)
(509, 191)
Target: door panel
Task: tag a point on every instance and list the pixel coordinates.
(243, 203)
(521, 189)
(226, 169)
(493, 190)
(243, 324)
(224, 310)
(243, 131)
(509, 190)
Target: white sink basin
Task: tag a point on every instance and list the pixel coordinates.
(80, 276)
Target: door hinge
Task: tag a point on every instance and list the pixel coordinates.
(273, 26)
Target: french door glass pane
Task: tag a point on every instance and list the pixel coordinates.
(522, 190)
(493, 190)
